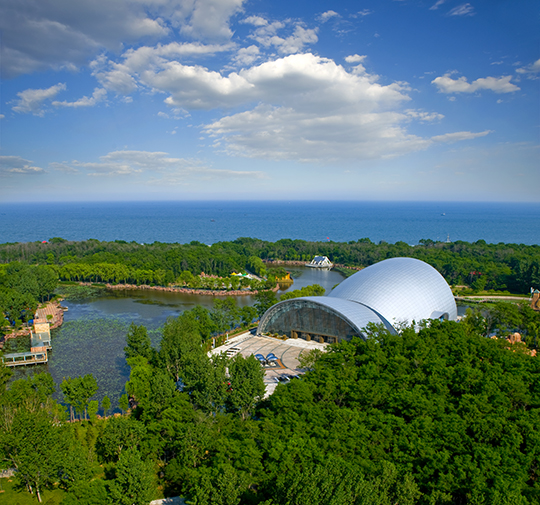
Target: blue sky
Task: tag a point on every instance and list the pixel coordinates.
(237, 99)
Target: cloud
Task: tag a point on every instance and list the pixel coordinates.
(437, 5)
(32, 100)
(355, 58)
(122, 77)
(63, 167)
(15, 165)
(424, 116)
(255, 21)
(56, 34)
(280, 133)
(496, 84)
(462, 10)
(63, 34)
(314, 110)
(459, 136)
(98, 95)
(365, 12)
(530, 70)
(209, 19)
(297, 80)
(325, 16)
(267, 36)
(247, 55)
(159, 166)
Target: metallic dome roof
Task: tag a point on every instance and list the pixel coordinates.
(400, 290)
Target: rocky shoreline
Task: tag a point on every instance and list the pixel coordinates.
(189, 291)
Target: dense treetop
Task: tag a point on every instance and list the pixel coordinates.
(442, 416)
(513, 267)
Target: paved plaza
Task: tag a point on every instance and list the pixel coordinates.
(287, 351)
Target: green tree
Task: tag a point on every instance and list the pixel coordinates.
(123, 403)
(181, 348)
(93, 407)
(209, 389)
(263, 301)
(313, 290)
(248, 315)
(247, 385)
(105, 405)
(119, 434)
(138, 342)
(33, 439)
(134, 481)
(78, 391)
(220, 485)
(87, 493)
(47, 281)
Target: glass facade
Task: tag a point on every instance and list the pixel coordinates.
(317, 316)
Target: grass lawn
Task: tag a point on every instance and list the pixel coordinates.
(10, 496)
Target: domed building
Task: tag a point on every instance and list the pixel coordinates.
(393, 292)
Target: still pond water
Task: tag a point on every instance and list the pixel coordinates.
(93, 336)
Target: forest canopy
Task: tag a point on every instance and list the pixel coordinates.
(512, 267)
(442, 416)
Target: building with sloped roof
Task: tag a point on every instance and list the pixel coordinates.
(320, 262)
(393, 292)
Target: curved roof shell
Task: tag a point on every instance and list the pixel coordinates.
(400, 290)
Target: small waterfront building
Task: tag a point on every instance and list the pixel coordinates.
(40, 343)
(320, 262)
(392, 292)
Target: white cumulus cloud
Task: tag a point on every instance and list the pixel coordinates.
(15, 165)
(267, 36)
(496, 84)
(530, 70)
(255, 21)
(56, 34)
(98, 95)
(247, 55)
(32, 100)
(122, 77)
(209, 19)
(325, 16)
(355, 58)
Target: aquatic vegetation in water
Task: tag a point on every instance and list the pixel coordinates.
(76, 292)
(96, 346)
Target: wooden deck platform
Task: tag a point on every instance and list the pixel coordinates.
(25, 358)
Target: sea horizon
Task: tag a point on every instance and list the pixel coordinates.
(215, 221)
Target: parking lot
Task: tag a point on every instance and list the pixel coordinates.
(287, 353)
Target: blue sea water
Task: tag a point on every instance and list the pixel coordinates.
(211, 222)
